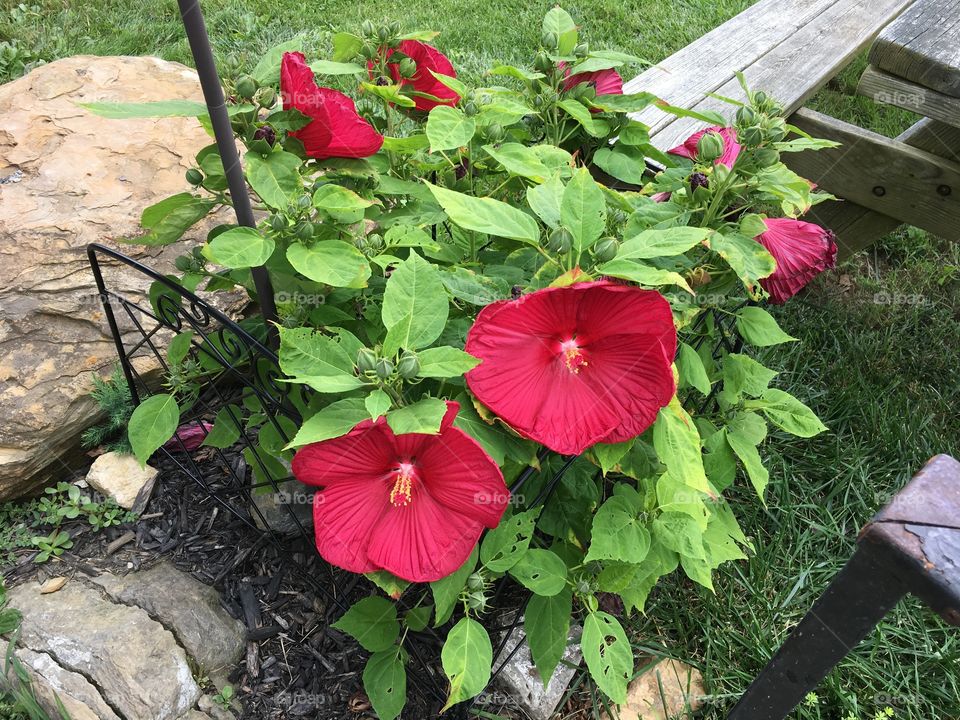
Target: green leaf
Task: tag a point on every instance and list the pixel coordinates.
(748, 258)
(758, 327)
(449, 128)
(472, 287)
(643, 274)
(624, 162)
(444, 362)
(335, 420)
(446, 591)
(331, 67)
(558, 21)
(668, 242)
(267, 69)
(415, 305)
(546, 200)
(467, 657)
(681, 533)
(618, 533)
(418, 618)
(346, 46)
(487, 215)
(691, 368)
(332, 262)
(519, 160)
(385, 682)
(540, 571)
(503, 546)
(743, 374)
(390, 93)
(608, 455)
(153, 422)
(316, 360)
(623, 103)
(343, 205)
(788, 413)
(583, 211)
(424, 416)
(677, 443)
(547, 625)
(594, 127)
(493, 439)
(275, 177)
(241, 247)
(226, 429)
(710, 117)
(167, 220)
(377, 403)
(372, 622)
(518, 73)
(743, 434)
(608, 654)
(160, 108)
(406, 145)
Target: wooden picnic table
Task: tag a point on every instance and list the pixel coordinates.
(792, 48)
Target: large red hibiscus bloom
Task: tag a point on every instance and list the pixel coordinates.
(573, 366)
(413, 504)
(605, 82)
(731, 148)
(336, 130)
(428, 59)
(802, 250)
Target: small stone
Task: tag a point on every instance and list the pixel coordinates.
(669, 690)
(521, 680)
(120, 476)
(52, 585)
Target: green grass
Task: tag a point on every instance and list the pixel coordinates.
(882, 375)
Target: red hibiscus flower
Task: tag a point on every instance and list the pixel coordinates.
(427, 58)
(337, 130)
(605, 82)
(802, 251)
(573, 366)
(189, 436)
(731, 148)
(413, 504)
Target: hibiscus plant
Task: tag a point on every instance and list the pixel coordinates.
(480, 284)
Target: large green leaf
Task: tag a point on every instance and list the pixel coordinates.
(415, 305)
(226, 428)
(331, 67)
(669, 242)
(546, 200)
(594, 127)
(167, 220)
(444, 362)
(372, 622)
(618, 533)
(758, 327)
(608, 654)
(275, 177)
(467, 657)
(335, 420)
(788, 413)
(624, 162)
(583, 211)
(267, 69)
(487, 215)
(503, 546)
(558, 21)
(749, 259)
(316, 360)
(447, 590)
(643, 274)
(519, 160)
(681, 533)
(677, 443)
(691, 369)
(424, 416)
(540, 571)
(241, 247)
(153, 422)
(343, 205)
(332, 262)
(385, 682)
(449, 128)
(159, 108)
(547, 624)
(743, 434)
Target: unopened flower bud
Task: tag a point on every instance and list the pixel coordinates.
(583, 587)
(470, 109)
(581, 50)
(409, 366)
(304, 201)
(760, 99)
(710, 147)
(750, 136)
(395, 27)
(776, 130)
(550, 40)
(246, 87)
(368, 51)
(367, 28)
(746, 115)
(267, 134)
(366, 360)
(278, 222)
(374, 242)
(384, 368)
(477, 601)
(475, 581)
(495, 132)
(699, 180)
(542, 63)
(560, 241)
(183, 263)
(194, 176)
(407, 67)
(606, 249)
(305, 231)
(384, 33)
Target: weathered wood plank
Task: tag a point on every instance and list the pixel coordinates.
(857, 227)
(884, 175)
(892, 90)
(922, 46)
(794, 69)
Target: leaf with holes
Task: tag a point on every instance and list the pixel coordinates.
(540, 571)
(618, 533)
(385, 682)
(503, 546)
(547, 624)
(467, 657)
(608, 654)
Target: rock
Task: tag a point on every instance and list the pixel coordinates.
(68, 178)
(186, 607)
(521, 680)
(51, 682)
(214, 710)
(52, 585)
(136, 664)
(669, 690)
(120, 476)
(275, 509)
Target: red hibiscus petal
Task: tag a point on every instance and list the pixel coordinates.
(345, 515)
(428, 59)
(802, 250)
(731, 148)
(366, 452)
(422, 541)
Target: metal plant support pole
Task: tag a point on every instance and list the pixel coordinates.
(199, 41)
(911, 547)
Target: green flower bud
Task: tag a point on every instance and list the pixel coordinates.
(606, 249)
(367, 28)
(542, 63)
(477, 601)
(384, 368)
(475, 581)
(470, 109)
(495, 132)
(246, 87)
(560, 241)
(374, 242)
(751, 136)
(550, 40)
(760, 99)
(266, 97)
(710, 147)
(183, 263)
(384, 33)
(767, 156)
(776, 130)
(305, 231)
(278, 222)
(304, 201)
(368, 51)
(583, 587)
(407, 67)
(409, 366)
(366, 360)
(395, 27)
(194, 176)
(581, 50)
(746, 115)
(538, 101)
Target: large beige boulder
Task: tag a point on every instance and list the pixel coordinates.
(68, 178)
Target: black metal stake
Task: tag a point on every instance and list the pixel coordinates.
(199, 41)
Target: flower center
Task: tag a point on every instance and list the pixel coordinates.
(402, 493)
(572, 355)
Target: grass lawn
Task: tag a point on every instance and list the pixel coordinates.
(876, 359)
